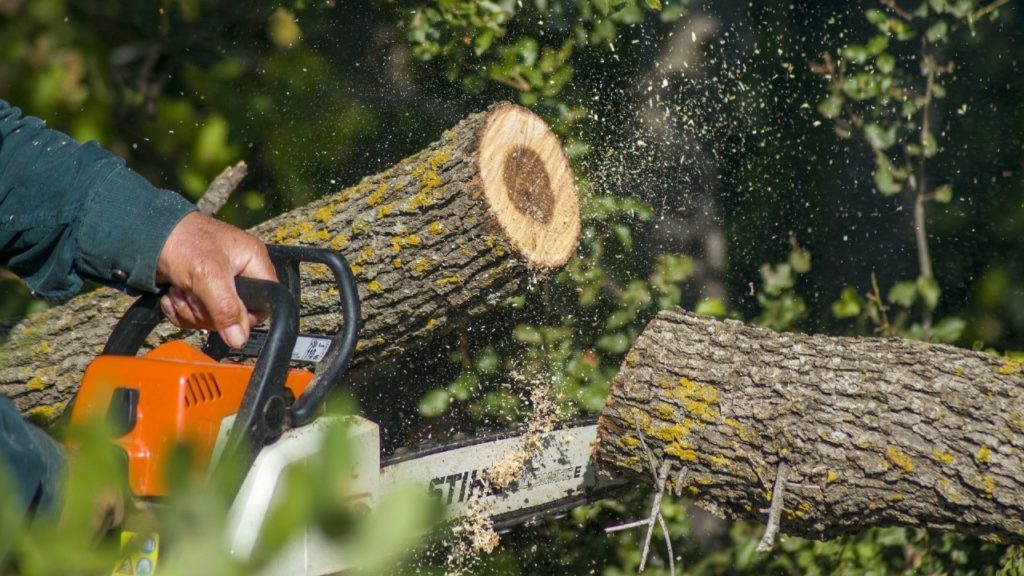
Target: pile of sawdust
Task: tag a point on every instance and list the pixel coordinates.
(473, 534)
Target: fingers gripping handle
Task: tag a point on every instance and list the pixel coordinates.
(144, 315)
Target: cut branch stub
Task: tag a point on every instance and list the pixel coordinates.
(446, 233)
(860, 432)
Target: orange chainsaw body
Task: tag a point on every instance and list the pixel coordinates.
(174, 394)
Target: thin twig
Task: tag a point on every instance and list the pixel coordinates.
(876, 296)
(891, 5)
(668, 544)
(993, 6)
(678, 489)
(627, 525)
(921, 185)
(660, 479)
(655, 511)
(771, 531)
(216, 195)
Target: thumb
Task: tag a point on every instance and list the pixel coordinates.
(218, 295)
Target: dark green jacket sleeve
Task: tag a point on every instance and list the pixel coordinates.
(70, 211)
(32, 461)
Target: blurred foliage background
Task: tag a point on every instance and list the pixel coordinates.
(836, 167)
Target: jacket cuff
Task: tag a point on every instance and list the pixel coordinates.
(123, 227)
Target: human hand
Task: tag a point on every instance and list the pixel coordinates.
(200, 260)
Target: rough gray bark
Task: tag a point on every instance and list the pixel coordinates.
(874, 431)
(427, 240)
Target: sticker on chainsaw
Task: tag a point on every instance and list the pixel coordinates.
(480, 487)
(145, 549)
(308, 348)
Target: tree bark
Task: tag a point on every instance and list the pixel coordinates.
(446, 233)
(873, 431)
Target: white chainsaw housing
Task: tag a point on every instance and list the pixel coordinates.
(310, 553)
(558, 470)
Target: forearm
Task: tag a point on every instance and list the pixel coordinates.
(70, 211)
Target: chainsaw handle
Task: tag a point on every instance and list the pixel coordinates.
(263, 413)
(144, 315)
(343, 344)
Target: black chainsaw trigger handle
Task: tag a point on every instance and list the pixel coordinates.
(263, 413)
(131, 330)
(343, 344)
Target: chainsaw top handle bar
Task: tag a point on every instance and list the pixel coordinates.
(343, 344)
(281, 301)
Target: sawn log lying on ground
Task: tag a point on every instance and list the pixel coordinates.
(873, 431)
(449, 232)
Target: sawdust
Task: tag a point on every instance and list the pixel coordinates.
(540, 423)
(473, 534)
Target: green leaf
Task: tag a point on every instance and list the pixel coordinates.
(528, 334)
(616, 343)
(777, 278)
(884, 180)
(856, 53)
(892, 537)
(931, 147)
(944, 194)
(878, 137)
(516, 302)
(878, 18)
(482, 42)
(800, 260)
(885, 63)
(637, 294)
(486, 362)
(620, 318)
(848, 305)
(434, 403)
(831, 106)
(948, 330)
(878, 44)
(929, 290)
(673, 268)
(903, 294)
(624, 234)
(937, 5)
(937, 31)
(710, 307)
(603, 6)
(463, 386)
(592, 398)
(653, 5)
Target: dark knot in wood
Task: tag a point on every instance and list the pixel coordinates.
(528, 184)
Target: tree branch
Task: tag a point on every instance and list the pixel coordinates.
(220, 189)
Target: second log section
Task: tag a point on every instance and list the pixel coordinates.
(873, 431)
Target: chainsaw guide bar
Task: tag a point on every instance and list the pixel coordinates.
(558, 476)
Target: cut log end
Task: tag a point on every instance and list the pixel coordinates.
(529, 186)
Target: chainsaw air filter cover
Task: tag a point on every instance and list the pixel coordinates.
(174, 394)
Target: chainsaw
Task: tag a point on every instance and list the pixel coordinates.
(269, 417)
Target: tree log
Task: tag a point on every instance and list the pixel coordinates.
(873, 431)
(446, 233)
